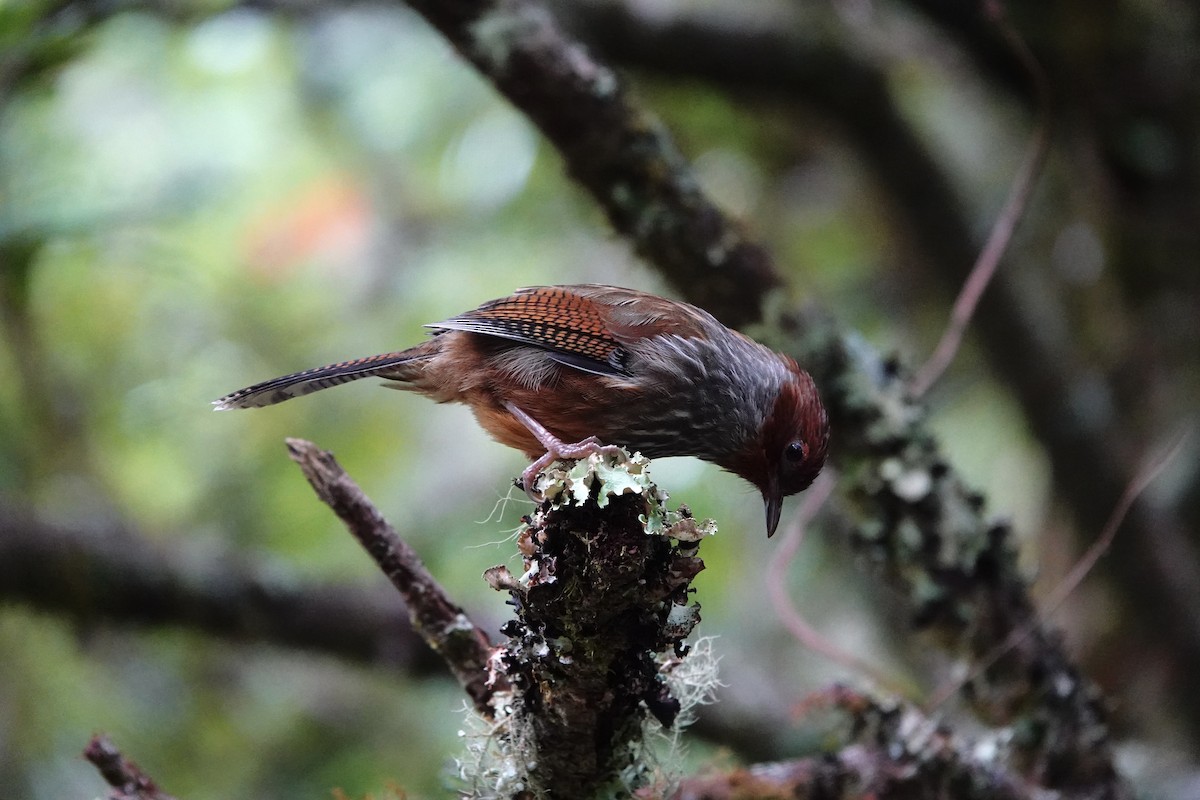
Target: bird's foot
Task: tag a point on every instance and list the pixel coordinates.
(558, 450)
(555, 449)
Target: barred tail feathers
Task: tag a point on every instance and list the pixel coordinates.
(312, 380)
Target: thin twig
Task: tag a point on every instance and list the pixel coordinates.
(441, 622)
(1006, 223)
(781, 599)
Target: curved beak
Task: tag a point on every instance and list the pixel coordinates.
(774, 502)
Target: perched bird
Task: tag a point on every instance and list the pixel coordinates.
(564, 371)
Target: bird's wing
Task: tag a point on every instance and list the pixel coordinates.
(584, 327)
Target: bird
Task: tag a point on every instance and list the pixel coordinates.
(567, 371)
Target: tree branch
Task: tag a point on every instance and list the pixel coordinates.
(442, 623)
(895, 751)
(614, 149)
(956, 571)
(1157, 562)
(602, 614)
(113, 575)
(128, 780)
(603, 594)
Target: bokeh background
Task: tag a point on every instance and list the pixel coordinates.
(198, 196)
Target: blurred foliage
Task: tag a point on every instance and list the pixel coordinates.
(187, 207)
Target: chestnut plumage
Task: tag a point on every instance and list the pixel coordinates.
(596, 365)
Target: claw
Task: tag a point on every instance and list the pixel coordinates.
(529, 478)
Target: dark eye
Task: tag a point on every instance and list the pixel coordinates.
(795, 452)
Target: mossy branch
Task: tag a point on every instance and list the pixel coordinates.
(601, 604)
(602, 611)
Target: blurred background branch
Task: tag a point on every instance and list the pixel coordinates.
(114, 577)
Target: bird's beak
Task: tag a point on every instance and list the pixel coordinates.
(774, 501)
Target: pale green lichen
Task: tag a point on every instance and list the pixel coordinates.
(498, 757)
(679, 525)
(572, 482)
(503, 30)
(613, 475)
(496, 33)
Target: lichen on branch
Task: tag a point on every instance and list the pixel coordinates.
(602, 612)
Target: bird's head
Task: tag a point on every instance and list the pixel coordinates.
(791, 446)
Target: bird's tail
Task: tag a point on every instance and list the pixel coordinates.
(298, 384)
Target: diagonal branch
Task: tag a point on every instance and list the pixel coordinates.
(616, 150)
(440, 621)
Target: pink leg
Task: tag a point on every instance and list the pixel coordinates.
(555, 449)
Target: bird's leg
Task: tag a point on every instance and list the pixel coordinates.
(555, 449)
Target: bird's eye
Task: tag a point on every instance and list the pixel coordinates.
(795, 452)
